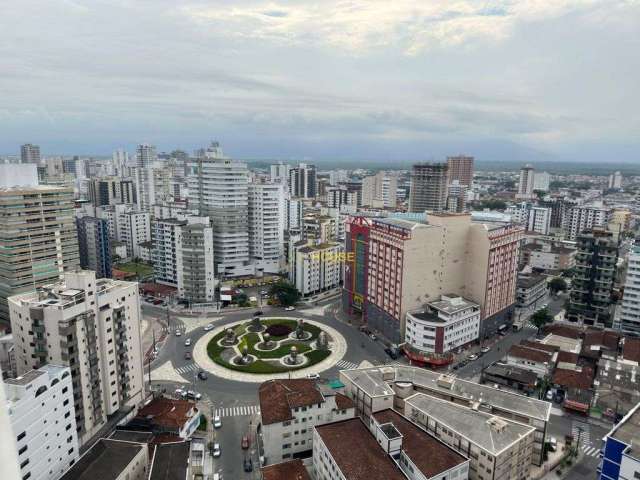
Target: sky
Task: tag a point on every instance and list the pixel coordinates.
(331, 79)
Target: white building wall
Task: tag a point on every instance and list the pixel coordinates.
(629, 312)
(43, 423)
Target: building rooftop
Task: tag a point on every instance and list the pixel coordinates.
(25, 378)
(279, 397)
(167, 412)
(400, 223)
(375, 382)
(618, 376)
(105, 460)
(131, 436)
(530, 281)
(569, 378)
(631, 349)
(170, 461)
(518, 374)
(493, 434)
(628, 429)
(356, 451)
(531, 354)
(451, 304)
(540, 346)
(291, 470)
(427, 453)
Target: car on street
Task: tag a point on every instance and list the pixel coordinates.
(248, 465)
(485, 349)
(313, 376)
(180, 392)
(217, 422)
(245, 442)
(549, 396)
(178, 333)
(208, 327)
(187, 355)
(392, 354)
(202, 375)
(216, 450)
(187, 342)
(373, 337)
(455, 367)
(157, 302)
(289, 308)
(258, 313)
(217, 476)
(190, 394)
(472, 357)
(553, 444)
(264, 292)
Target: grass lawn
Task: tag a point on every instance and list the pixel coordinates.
(140, 269)
(261, 366)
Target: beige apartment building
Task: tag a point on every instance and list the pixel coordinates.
(92, 326)
(38, 237)
(412, 263)
(380, 190)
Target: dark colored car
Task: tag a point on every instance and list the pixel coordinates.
(258, 313)
(248, 465)
(157, 302)
(202, 375)
(391, 353)
(187, 355)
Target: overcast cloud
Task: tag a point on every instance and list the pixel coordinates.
(329, 79)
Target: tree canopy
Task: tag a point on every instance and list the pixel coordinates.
(558, 285)
(285, 292)
(541, 318)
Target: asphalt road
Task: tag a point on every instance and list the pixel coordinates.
(238, 401)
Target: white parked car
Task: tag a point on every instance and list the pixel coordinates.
(473, 357)
(216, 450)
(313, 376)
(553, 444)
(485, 349)
(187, 342)
(208, 327)
(193, 395)
(180, 392)
(290, 308)
(178, 333)
(550, 395)
(217, 422)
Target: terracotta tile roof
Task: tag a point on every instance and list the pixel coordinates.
(356, 452)
(564, 331)
(343, 402)
(279, 397)
(167, 412)
(530, 354)
(572, 379)
(540, 346)
(431, 456)
(568, 357)
(604, 338)
(292, 470)
(631, 349)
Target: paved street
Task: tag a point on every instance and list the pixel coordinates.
(237, 402)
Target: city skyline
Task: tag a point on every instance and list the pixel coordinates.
(358, 81)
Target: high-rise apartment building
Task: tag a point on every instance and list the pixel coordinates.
(526, 184)
(120, 159)
(93, 327)
(380, 190)
(302, 181)
(280, 172)
(38, 238)
(133, 227)
(628, 320)
(266, 226)
(461, 169)
(411, 263)
(581, 219)
(183, 257)
(41, 411)
(30, 153)
(615, 180)
(9, 467)
(315, 267)
(94, 245)
(429, 182)
(111, 191)
(146, 155)
(539, 220)
(219, 189)
(541, 181)
(595, 273)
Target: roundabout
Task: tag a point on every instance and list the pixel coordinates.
(270, 347)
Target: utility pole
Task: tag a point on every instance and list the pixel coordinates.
(153, 352)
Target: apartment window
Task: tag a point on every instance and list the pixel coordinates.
(286, 445)
(22, 450)
(26, 476)
(24, 464)
(21, 436)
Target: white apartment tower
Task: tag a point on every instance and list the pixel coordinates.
(219, 189)
(541, 181)
(30, 153)
(43, 424)
(584, 218)
(183, 257)
(280, 172)
(93, 327)
(132, 228)
(615, 180)
(145, 155)
(628, 315)
(380, 190)
(266, 226)
(526, 185)
(539, 220)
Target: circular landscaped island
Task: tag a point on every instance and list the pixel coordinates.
(274, 345)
